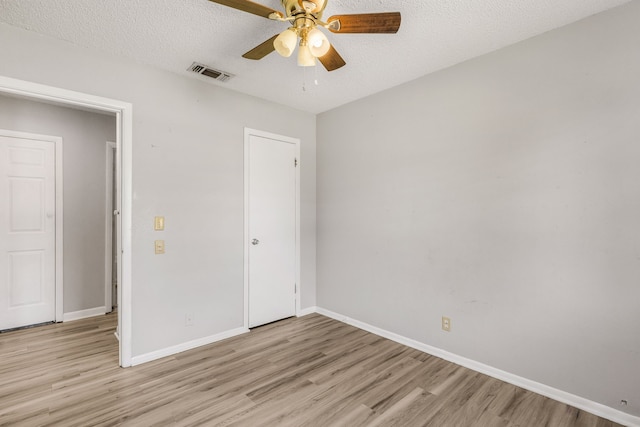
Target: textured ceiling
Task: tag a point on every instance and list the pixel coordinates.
(171, 34)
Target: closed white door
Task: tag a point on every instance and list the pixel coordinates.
(271, 230)
(27, 227)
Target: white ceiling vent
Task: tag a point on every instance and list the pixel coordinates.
(209, 72)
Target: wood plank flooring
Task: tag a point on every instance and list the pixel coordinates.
(310, 371)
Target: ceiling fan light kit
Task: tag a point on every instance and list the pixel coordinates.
(305, 17)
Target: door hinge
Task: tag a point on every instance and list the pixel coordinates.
(295, 288)
(295, 163)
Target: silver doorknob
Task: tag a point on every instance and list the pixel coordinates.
(255, 242)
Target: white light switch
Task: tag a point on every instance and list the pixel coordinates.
(158, 223)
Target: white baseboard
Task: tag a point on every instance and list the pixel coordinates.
(307, 311)
(553, 393)
(83, 314)
(169, 351)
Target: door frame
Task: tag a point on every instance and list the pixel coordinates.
(59, 232)
(248, 132)
(123, 112)
(110, 150)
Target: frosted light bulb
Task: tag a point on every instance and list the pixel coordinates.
(285, 43)
(318, 43)
(305, 58)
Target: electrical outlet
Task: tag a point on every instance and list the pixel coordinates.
(188, 319)
(446, 324)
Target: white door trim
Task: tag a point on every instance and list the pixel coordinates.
(124, 138)
(247, 134)
(59, 232)
(108, 227)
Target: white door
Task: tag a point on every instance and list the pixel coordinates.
(271, 229)
(27, 239)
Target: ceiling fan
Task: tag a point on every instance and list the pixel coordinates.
(305, 17)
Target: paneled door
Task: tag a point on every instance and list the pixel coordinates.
(27, 227)
(271, 228)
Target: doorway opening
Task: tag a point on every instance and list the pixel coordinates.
(124, 116)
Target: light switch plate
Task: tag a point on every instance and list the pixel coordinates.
(158, 223)
(159, 246)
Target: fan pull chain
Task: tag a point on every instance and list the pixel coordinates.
(304, 79)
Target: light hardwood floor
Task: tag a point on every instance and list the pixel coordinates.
(310, 371)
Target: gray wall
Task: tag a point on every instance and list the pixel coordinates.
(503, 193)
(84, 137)
(188, 167)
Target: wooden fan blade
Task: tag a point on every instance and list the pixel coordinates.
(248, 6)
(332, 60)
(262, 50)
(387, 22)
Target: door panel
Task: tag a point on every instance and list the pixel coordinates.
(26, 204)
(272, 230)
(27, 227)
(25, 278)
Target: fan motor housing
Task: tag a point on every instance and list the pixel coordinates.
(293, 7)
